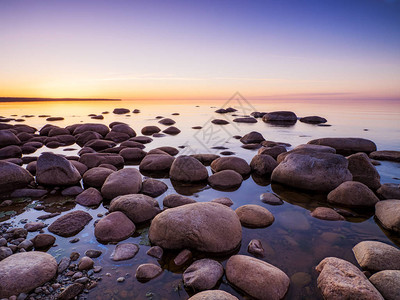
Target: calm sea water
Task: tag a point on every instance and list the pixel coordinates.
(295, 242)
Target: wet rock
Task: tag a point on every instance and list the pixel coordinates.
(346, 146)
(183, 257)
(95, 177)
(205, 159)
(71, 291)
(99, 145)
(219, 122)
(137, 207)
(153, 187)
(10, 152)
(208, 227)
(252, 215)
(306, 149)
(245, 120)
(79, 166)
(388, 214)
(172, 130)
(114, 227)
(85, 263)
(389, 191)
(52, 169)
(170, 150)
(225, 180)
(121, 111)
(213, 295)
(203, 274)
(385, 155)
(224, 201)
(70, 223)
(339, 279)
(89, 197)
(5, 252)
(124, 251)
(352, 194)
(149, 130)
(93, 253)
(72, 191)
(257, 278)
(255, 247)
(34, 226)
(313, 120)
(231, 163)
(147, 271)
(92, 160)
(26, 245)
(363, 170)
(187, 169)
(13, 177)
(253, 137)
(270, 198)
(8, 138)
(376, 256)
(132, 154)
(263, 164)
(156, 163)
(387, 283)
(272, 151)
(125, 129)
(83, 138)
(23, 272)
(315, 171)
(167, 121)
(95, 127)
(156, 252)
(326, 213)
(122, 182)
(175, 200)
(280, 116)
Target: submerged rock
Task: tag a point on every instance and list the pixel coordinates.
(270, 198)
(326, 213)
(203, 274)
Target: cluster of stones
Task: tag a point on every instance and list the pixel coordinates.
(184, 224)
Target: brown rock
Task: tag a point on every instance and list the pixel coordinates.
(252, 215)
(385, 155)
(213, 295)
(272, 151)
(114, 227)
(376, 256)
(172, 130)
(95, 177)
(346, 146)
(187, 169)
(85, 263)
(231, 163)
(124, 251)
(326, 213)
(183, 257)
(387, 283)
(89, 197)
(253, 137)
(313, 120)
(122, 182)
(71, 291)
(43, 241)
(270, 198)
(352, 194)
(156, 252)
(224, 201)
(156, 163)
(363, 170)
(147, 271)
(389, 191)
(13, 177)
(167, 121)
(206, 159)
(70, 223)
(132, 154)
(92, 160)
(203, 274)
(153, 188)
(255, 247)
(149, 130)
(388, 214)
(225, 180)
(174, 200)
(263, 164)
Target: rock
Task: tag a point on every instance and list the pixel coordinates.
(388, 214)
(376, 256)
(92, 160)
(124, 251)
(387, 283)
(272, 151)
(339, 279)
(263, 164)
(149, 130)
(13, 177)
(346, 146)
(293, 221)
(52, 169)
(219, 122)
(114, 227)
(5, 252)
(313, 120)
(270, 198)
(93, 253)
(147, 271)
(315, 171)
(257, 278)
(132, 154)
(137, 207)
(187, 169)
(385, 155)
(389, 191)
(231, 163)
(83, 138)
(224, 201)
(183, 257)
(86, 263)
(363, 170)
(245, 120)
(89, 197)
(252, 215)
(34, 226)
(153, 188)
(125, 129)
(300, 279)
(352, 194)
(255, 247)
(203, 274)
(99, 145)
(71, 291)
(205, 159)
(10, 152)
(70, 223)
(95, 177)
(79, 166)
(280, 117)
(174, 200)
(167, 121)
(121, 111)
(253, 137)
(26, 245)
(156, 163)
(122, 182)
(326, 213)
(213, 295)
(172, 130)
(225, 180)
(8, 138)
(306, 149)
(208, 227)
(72, 191)
(23, 272)
(94, 127)
(156, 252)
(170, 150)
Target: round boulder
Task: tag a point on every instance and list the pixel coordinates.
(225, 180)
(387, 283)
(388, 214)
(156, 162)
(114, 227)
(377, 256)
(363, 170)
(13, 177)
(153, 187)
(122, 182)
(263, 164)
(213, 295)
(352, 194)
(256, 216)
(187, 169)
(231, 163)
(253, 137)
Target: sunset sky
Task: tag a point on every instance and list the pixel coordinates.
(200, 49)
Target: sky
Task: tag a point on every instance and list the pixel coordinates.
(200, 49)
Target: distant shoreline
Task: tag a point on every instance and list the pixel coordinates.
(21, 99)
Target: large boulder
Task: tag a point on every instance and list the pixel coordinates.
(122, 182)
(114, 227)
(305, 149)
(231, 163)
(23, 272)
(208, 227)
(213, 295)
(257, 278)
(203, 274)
(52, 169)
(280, 117)
(70, 223)
(387, 283)
(263, 164)
(352, 194)
(137, 207)
(346, 146)
(225, 180)
(188, 169)
(314, 171)
(13, 177)
(377, 256)
(364, 171)
(252, 215)
(339, 279)
(388, 214)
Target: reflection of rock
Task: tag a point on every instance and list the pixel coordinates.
(293, 220)
(188, 188)
(377, 256)
(388, 214)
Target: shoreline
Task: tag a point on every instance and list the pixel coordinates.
(18, 99)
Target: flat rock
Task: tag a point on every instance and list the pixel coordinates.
(346, 146)
(389, 191)
(339, 279)
(231, 163)
(122, 182)
(89, 197)
(114, 227)
(172, 130)
(257, 278)
(280, 117)
(385, 155)
(203, 274)
(70, 223)
(388, 214)
(225, 180)
(187, 169)
(208, 227)
(167, 121)
(71, 291)
(245, 120)
(124, 251)
(376, 256)
(153, 187)
(326, 213)
(313, 120)
(270, 198)
(219, 122)
(224, 201)
(387, 283)
(213, 295)
(363, 170)
(352, 194)
(147, 271)
(13, 177)
(175, 200)
(256, 216)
